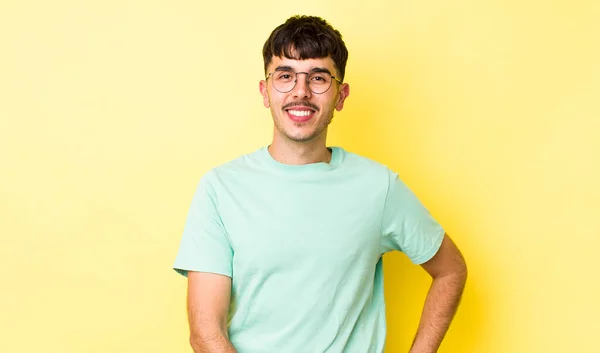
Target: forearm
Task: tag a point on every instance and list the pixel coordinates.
(208, 305)
(440, 306)
(215, 342)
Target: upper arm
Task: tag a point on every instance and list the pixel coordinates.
(208, 302)
(447, 261)
(406, 223)
(204, 246)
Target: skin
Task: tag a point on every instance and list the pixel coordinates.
(208, 305)
(304, 143)
(448, 271)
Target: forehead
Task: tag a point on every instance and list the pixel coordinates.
(302, 65)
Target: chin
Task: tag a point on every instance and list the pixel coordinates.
(302, 137)
(298, 133)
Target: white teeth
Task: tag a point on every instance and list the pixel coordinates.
(300, 112)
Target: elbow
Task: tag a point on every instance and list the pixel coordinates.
(461, 274)
(199, 342)
(458, 275)
(203, 341)
(196, 343)
(465, 271)
(460, 270)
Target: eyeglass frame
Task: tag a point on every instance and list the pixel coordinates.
(317, 70)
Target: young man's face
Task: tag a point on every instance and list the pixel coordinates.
(301, 115)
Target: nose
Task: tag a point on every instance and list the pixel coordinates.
(301, 89)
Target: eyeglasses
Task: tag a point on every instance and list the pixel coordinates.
(318, 81)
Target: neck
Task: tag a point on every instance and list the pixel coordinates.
(297, 153)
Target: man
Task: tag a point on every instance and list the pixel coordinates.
(282, 247)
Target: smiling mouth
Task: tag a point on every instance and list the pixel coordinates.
(300, 114)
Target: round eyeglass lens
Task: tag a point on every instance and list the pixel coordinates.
(318, 82)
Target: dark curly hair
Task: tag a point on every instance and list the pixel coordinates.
(306, 37)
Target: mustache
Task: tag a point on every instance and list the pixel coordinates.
(300, 103)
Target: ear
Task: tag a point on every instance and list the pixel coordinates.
(342, 95)
(263, 90)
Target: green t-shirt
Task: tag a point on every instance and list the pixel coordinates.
(303, 246)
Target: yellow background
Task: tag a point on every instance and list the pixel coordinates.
(110, 111)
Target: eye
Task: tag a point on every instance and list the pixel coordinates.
(284, 76)
(319, 77)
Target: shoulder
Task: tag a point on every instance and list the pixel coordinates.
(244, 165)
(364, 164)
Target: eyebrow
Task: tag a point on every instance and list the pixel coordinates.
(283, 68)
(321, 69)
(289, 68)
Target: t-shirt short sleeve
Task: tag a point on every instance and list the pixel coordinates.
(407, 225)
(204, 245)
